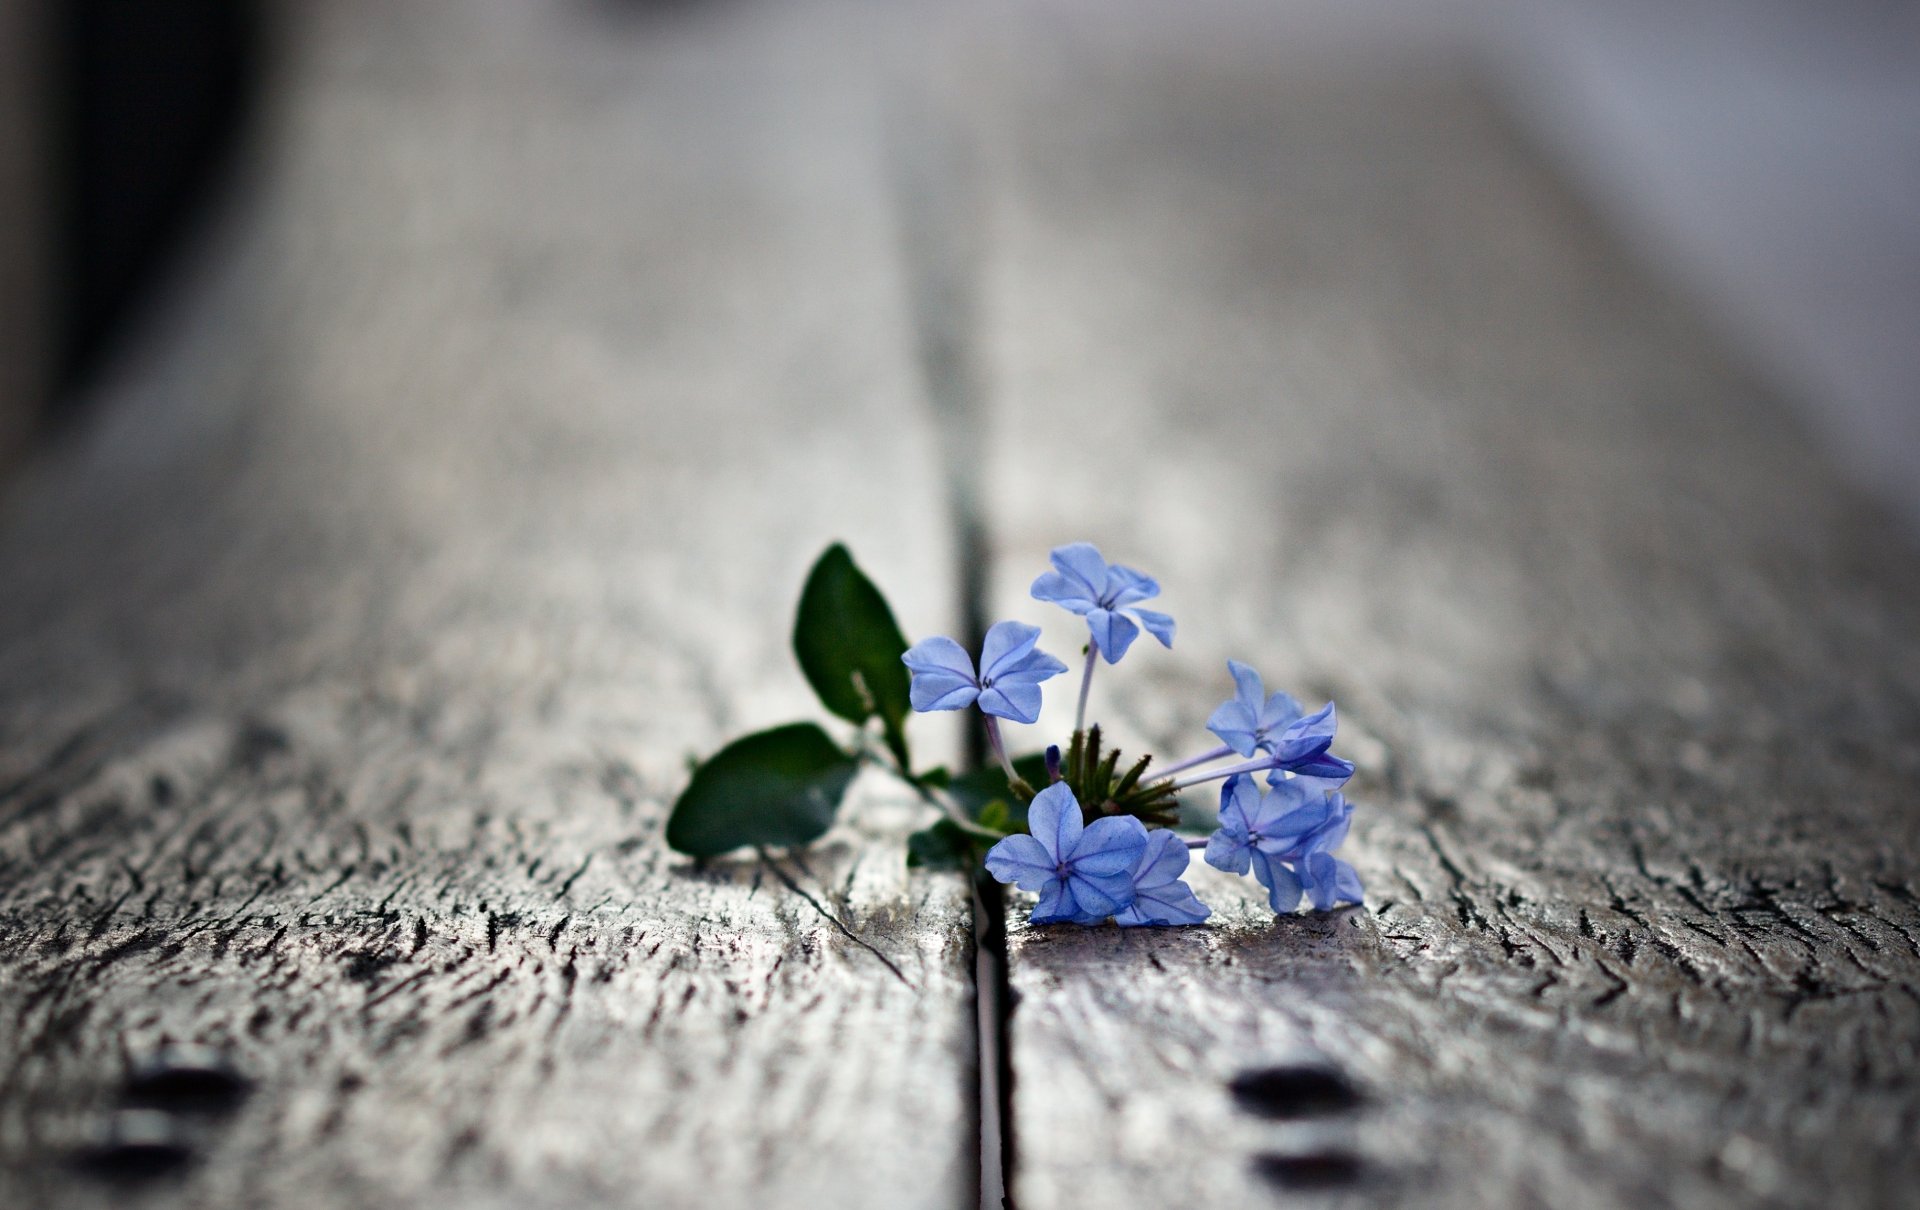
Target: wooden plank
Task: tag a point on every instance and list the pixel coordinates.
(348, 661)
(1633, 679)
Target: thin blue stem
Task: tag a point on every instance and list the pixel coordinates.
(1086, 683)
(1252, 766)
(999, 749)
(1212, 754)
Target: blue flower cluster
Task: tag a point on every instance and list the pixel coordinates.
(1091, 862)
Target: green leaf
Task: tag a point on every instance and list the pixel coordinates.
(944, 846)
(998, 816)
(975, 791)
(850, 647)
(778, 787)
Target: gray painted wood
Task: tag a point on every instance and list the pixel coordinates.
(1633, 679)
(349, 659)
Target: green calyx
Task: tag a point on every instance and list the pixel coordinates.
(1102, 788)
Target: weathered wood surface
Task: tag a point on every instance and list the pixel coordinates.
(348, 660)
(1634, 681)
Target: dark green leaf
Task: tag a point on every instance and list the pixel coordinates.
(973, 791)
(778, 787)
(998, 816)
(850, 647)
(944, 846)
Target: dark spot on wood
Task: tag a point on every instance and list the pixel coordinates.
(366, 966)
(1328, 1168)
(187, 1079)
(1298, 1090)
(1440, 806)
(256, 743)
(138, 1145)
(161, 789)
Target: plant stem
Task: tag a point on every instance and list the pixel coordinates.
(1211, 754)
(1252, 766)
(1086, 682)
(944, 803)
(999, 749)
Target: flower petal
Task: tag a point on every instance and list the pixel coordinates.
(1171, 903)
(1022, 861)
(1012, 700)
(1322, 766)
(1159, 625)
(941, 690)
(1160, 897)
(1239, 804)
(1081, 562)
(1056, 905)
(1100, 896)
(1163, 859)
(1234, 726)
(1282, 799)
(1312, 733)
(1054, 819)
(1332, 833)
(1330, 881)
(1346, 884)
(1065, 591)
(939, 654)
(1283, 885)
(1292, 838)
(1109, 846)
(1228, 852)
(1005, 644)
(1247, 687)
(1034, 666)
(1302, 747)
(1124, 586)
(1114, 632)
(942, 674)
(1279, 712)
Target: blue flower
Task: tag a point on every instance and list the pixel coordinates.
(1271, 823)
(1008, 682)
(1083, 872)
(1160, 897)
(1326, 879)
(1084, 583)
(1250, 722)
(1285, 835)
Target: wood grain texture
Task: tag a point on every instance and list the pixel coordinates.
(349, 659)
(1633, 678)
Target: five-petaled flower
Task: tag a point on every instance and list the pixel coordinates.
(1159, 895)
(1083, 872)
(1007, 685)
(1286, 835)
(1297, 742)
(1105, 594)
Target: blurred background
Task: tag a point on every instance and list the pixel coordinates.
(1761, 157)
